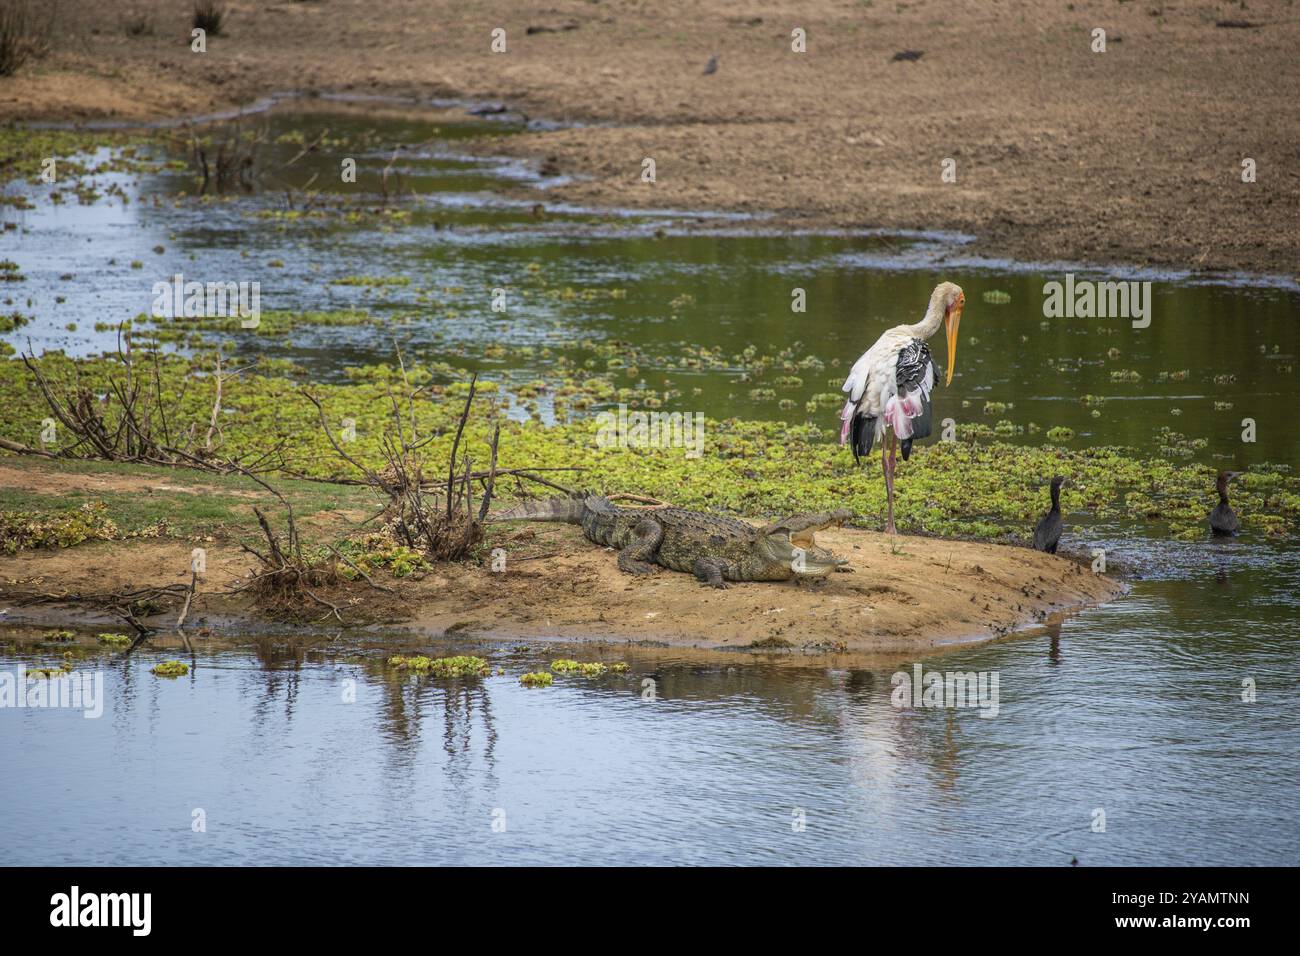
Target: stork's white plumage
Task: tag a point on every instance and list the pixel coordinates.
(889, 386)
(873, 387)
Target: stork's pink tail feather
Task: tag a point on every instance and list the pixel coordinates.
(899, 413)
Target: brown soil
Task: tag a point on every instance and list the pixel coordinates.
(53, 483)
(904, 594)
(1128, 156)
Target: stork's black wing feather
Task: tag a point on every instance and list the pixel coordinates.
(862, 434)
(913, 362)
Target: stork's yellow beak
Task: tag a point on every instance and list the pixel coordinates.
(951, 321)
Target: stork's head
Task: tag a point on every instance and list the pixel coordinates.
(948, 298)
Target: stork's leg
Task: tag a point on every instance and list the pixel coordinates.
(887, 463)
(893, 469)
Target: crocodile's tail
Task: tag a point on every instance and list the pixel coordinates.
(550, 509)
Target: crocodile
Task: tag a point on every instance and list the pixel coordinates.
(715, 548)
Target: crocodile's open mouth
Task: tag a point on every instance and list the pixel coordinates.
(801, 556)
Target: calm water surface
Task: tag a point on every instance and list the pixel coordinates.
(1134, 708)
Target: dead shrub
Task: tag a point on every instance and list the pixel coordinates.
(208, 15)
(26, 29)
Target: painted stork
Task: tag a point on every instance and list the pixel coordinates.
(889, 386)
(1048, 532)
(1223, 520)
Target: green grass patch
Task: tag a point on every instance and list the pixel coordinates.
(214, 506)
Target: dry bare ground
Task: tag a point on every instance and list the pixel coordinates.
(1128, 156)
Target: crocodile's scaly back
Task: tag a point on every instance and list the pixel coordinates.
(552, 509)
(714, 547)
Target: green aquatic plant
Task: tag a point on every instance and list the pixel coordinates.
(77, 152)
(114, 640)
(977, 486)
(996, 297)
(567, 666)
(23, 530)
(537, 679)
(45, 673)
(59, 637)
(462, 666)
(381, 551)
(170, 669)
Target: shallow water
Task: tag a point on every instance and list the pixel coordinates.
(665, 284)
(1134, 708)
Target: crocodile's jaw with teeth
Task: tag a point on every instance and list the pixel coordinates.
(815, 562)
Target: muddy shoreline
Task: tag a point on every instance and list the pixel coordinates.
(1063, 154)
(909, 595)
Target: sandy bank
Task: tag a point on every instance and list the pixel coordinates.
(905, 594)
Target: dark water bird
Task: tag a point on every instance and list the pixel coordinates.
(889, 387)
(1223, 520)
(907, 56)
(712, 66)
(1048, 532)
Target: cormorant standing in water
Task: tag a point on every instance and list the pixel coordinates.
(1223, 520)
(1048, 532)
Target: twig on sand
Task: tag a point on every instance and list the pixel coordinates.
(21, 449)
(185, 610)
(455, 445)
(639, 499)
(492, 476)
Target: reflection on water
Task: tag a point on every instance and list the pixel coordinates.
(1134, 709)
